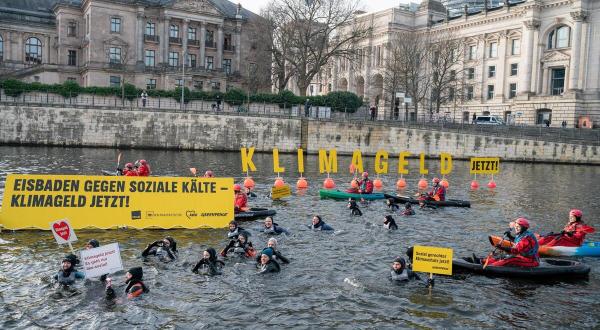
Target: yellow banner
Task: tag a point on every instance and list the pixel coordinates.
(485, 165)
(281, 192)
(34, 201)
(435, 260)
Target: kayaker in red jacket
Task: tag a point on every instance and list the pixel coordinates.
(524, 251)
(129, 170)
(241, 199)
(438, 192)
(365, 186)
(572, 235)
(144, 168)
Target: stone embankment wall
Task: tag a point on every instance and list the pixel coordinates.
(158, 129)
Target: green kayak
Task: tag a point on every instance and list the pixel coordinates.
(337, 194)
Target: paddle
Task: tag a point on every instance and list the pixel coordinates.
(487, 259)
(194, 171)
(118, 164)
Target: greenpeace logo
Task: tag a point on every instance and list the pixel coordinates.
(136, 215)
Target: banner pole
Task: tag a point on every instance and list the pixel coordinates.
(71, 247)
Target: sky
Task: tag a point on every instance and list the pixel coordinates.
(369, 5)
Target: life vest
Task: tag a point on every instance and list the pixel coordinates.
(233, 234)
(400, 277)
(136, 290)
(533, 252)
(66, 280)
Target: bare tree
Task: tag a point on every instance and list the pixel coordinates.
(445, 66)
(307, 34)
(406, 66)
(118, 60)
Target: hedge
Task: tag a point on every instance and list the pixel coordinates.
(338, 101)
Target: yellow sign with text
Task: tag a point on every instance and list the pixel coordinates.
(485, 165)
(281, 192)
(434, 260)
(34, 201)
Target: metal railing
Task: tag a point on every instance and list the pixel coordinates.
(297, 111)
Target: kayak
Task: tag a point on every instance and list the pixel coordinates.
(254, 213)
(338, 194)
(588, 249)
(548, 268)
(448, 202)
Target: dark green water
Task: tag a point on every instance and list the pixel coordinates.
(334, 280)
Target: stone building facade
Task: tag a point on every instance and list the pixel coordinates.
(529, 62)
(141, 42)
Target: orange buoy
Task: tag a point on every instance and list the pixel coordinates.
(328, 183)
(354, 183)
(279, 182)
(474, 185)
(422, 184)
(445, 183)
(491, 184)
(377, 184)
(249, 183)
(302, 183)
(401, 184)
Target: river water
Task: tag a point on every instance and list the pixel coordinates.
(337, 280)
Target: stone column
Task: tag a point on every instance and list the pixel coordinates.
(545, 81)
(501, 66)
(483, 69)
(165, 40)
(139, 37)
(19, 51)
(160, 28)
(525, 70)
(7, 42)
(238, 46)
(46, 50)
(184, 40)
(202, 43)
(219, 64)
(578, 18)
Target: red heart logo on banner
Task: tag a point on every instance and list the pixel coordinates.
(62, 230)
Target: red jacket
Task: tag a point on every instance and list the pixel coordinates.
(574, 235)
(144, 170)
(241, 202)
(127, 172)
(365, 186)
(440, 191)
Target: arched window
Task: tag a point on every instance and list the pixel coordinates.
(1, 49)
(33, 51)
(559, 37)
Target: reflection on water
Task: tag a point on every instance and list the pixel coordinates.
(337, 280)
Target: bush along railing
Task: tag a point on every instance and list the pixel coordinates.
(338, 101)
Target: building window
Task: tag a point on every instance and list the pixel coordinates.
(1, 49)
(178, 82)
(198, 85)
(149, 58)
(215, 85)
(451, 94)
(512, 90)
(472, 52)
(174, 31)
(115, 25)
(210, 39)
(209, 63)
(191, 33)
(559, 37)
(493, 53)
(150, 29)
(227, 65)
(72, 29)
(228, 44)
(470, 93)
(72, 58)
(72, 79)
(514, 69)
(470, 73)
(490, 92)
(491, 71)
(150, 83)
(114, 55)
(544, 117)
(191, 60)
(558, 81)
(115, 81)
(173, 59)
(33, 51)
(515, 48)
